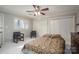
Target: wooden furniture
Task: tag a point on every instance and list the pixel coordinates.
(33, 34)
(77, 24)
(18, 36)
(75, 43)
(21, 37)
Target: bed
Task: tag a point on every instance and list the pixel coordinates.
(46, 44)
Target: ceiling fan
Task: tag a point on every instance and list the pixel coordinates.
(38, 10)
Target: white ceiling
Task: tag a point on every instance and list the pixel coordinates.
(20, 10)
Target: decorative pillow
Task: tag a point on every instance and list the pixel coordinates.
(47, 35)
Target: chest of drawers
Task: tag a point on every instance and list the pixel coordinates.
(75, 43)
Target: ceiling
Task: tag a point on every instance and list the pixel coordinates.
(20, 10)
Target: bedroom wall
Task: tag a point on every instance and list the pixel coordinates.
(43, 23)
(9, 26)
(40, 25)
(63, 25)
(77, 21)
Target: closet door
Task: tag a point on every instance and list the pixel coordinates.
(62, 26)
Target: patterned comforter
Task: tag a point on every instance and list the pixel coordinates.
(46, 44)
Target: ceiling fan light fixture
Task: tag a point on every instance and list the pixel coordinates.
(36, 13)
(38, 10)
(39, 13)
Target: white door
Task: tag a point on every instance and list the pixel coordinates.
(63, 26)
(1, 30)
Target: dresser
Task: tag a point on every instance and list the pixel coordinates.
(75, 43)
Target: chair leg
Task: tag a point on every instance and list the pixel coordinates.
(15, 40)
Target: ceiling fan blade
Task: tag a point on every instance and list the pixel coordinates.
(29, 11)
(45, 9)
(38, 6)
(34, 6)
(42, 13)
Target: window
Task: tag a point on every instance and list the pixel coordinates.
(19, 24)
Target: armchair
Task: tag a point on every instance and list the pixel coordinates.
(18, 36)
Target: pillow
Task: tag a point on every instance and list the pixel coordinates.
(56, 36)
(47, 35)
